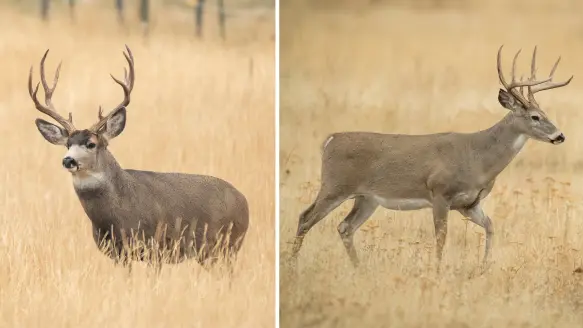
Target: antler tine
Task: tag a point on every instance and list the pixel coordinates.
(48, 90)
(127, 87)
(548, 84)
(48, 109)
(533, 65)
(532, 77)
(522, 80)
(514, 66)
(555, 67)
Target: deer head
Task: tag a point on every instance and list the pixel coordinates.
(529, 118)
(83, 146)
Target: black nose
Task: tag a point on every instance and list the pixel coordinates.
(69, 162)
(560, 138)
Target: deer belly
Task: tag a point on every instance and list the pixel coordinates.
(403, 204)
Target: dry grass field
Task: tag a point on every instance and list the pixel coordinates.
(202, 107)
(394, 68)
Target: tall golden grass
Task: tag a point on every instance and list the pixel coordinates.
(203, 107)
(390, 67)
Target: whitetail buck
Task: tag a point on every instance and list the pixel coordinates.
(189, 215)
(443, 171)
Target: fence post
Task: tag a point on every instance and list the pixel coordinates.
(222, 18)
(44, 9)
(72, 9)
(119, 8)
(145, 15)
(198, 16)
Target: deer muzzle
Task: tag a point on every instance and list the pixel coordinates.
(70, 163)
(557, 139)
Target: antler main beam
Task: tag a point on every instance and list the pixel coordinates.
(548, 84)
(48, 108)
(127, 87)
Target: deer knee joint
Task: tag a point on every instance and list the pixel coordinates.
(344, 229)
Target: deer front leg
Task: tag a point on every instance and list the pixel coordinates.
(125, 262)
(440, 212)
(477, 216)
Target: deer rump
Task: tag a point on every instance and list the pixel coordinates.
(172, 216)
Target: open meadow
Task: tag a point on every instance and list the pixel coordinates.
(387, 66)
(198, 106)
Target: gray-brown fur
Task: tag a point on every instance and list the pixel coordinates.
(444, 171)
(80, 138)
(186, 215)
(186, 204)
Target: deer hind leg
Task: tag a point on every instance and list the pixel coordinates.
(363, 208)
(314, 214)
(477, 216)
(440, 213)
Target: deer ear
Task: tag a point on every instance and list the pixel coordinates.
(52, 133)
(508, 101)
(115, 124)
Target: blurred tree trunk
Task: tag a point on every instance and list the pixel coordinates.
(119, 8)
(72, 9)
(44, 9)
(145, 16)
(222, 18)
(198, 12)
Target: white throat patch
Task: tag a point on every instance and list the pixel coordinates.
(88, 180)
(519, 142)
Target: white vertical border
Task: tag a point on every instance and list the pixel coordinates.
(276, 164)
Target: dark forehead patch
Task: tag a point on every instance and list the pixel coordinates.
(80, 137)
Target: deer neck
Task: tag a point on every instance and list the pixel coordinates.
(101, 192)
(497, 146)
(100, 181)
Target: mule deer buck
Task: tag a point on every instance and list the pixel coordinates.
(191, 215)
(443, 171)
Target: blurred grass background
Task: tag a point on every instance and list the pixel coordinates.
(201, 106)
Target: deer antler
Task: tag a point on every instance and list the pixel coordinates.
(548, 84)
(514, 84)
(532, 84)
(127, 87)
(49, 109)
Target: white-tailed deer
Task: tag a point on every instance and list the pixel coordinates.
(189, 215)
(443, 171)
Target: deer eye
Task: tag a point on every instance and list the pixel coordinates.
(90, 145)
(535, 118)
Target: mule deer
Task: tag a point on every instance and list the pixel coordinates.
(191, 215)
(443, 171)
